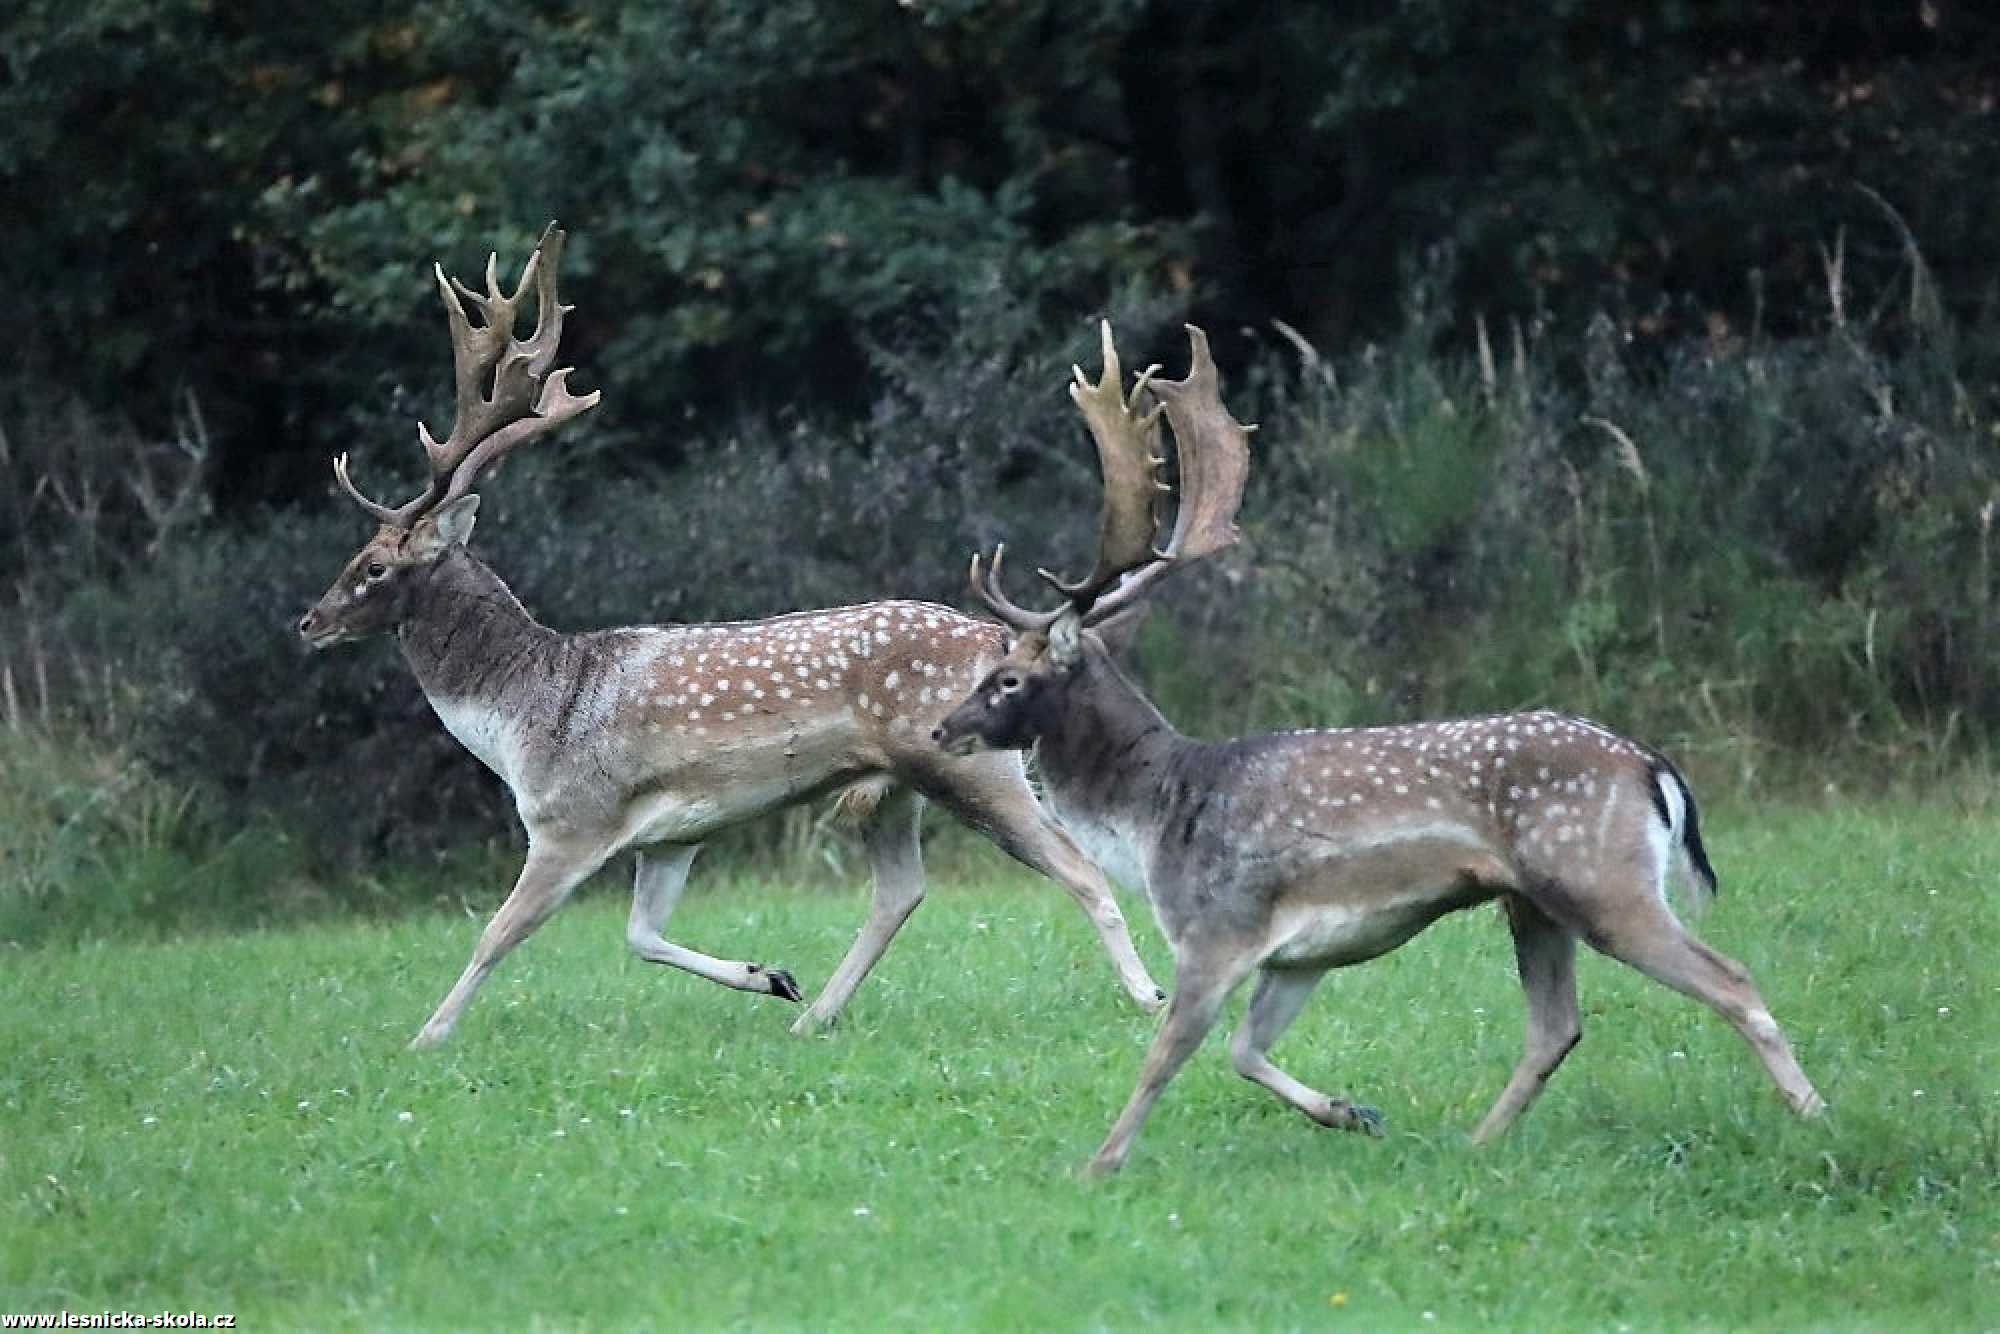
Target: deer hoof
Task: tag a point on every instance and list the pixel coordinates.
(782, 985)
(1353, 1116)
(1100, 1167)
(809, 1023)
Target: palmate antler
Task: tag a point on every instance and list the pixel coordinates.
(1213, 449)
(1128, 458)
(526, 398)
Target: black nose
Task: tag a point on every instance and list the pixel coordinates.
(306, 622)
(937, 735)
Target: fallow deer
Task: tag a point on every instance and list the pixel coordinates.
(1293, 853)
(659, 736)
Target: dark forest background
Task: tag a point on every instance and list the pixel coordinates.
(1636, 358)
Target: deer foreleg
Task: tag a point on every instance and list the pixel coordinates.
(657, 883)
(992, 794)
(1202, 983)
(547, 877)
(1281, 993)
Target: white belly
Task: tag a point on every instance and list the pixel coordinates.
(690, 814)
(1338, 934)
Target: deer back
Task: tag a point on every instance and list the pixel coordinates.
(718, 722)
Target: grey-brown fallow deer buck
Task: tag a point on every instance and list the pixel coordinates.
(1293, 853)
(658, 736)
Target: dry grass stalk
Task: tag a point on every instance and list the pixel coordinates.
(1308, 354)
(1626, 452)
(1834, 262)
(1489, 377)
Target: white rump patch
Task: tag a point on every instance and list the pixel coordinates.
(1661, 836)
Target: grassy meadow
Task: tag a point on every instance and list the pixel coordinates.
(231, 1123)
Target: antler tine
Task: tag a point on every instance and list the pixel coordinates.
(1214, 453)
(1128, 457)
(556, 406)
(380, 513)
(541, 345)
(1214, 456)
(475, 350)
(503, 392)
(986, 583)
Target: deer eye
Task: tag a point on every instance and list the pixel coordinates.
(376, 569)
(1010, 682)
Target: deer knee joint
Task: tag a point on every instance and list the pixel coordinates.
(1244, 1058)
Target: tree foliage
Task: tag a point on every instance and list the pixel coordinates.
(241, 199)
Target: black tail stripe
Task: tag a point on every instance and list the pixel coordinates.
(1661, 769)
(1690, 834)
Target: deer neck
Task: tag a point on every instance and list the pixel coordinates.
(1108, 761)
(465, 634)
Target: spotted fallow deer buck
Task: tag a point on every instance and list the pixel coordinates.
(1293, 853)
(659, 736)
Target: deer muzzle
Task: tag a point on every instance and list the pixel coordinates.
(318, 632)
(958, 734)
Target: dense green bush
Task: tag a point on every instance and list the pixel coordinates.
(1770, 551)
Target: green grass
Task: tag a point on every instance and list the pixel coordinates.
(232, 1124)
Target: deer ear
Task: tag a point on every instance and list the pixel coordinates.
(450, 526)
(1120, 630)
(1066, 639)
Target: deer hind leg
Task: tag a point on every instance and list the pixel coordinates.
(548, 875)
(1545, 953)
(991, 793)
(894, 841)
(1654, 942)
(657, 882)
(1281, 993)
(1205, 978)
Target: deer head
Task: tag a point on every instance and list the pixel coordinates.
(505, 396)
(1018, 700)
